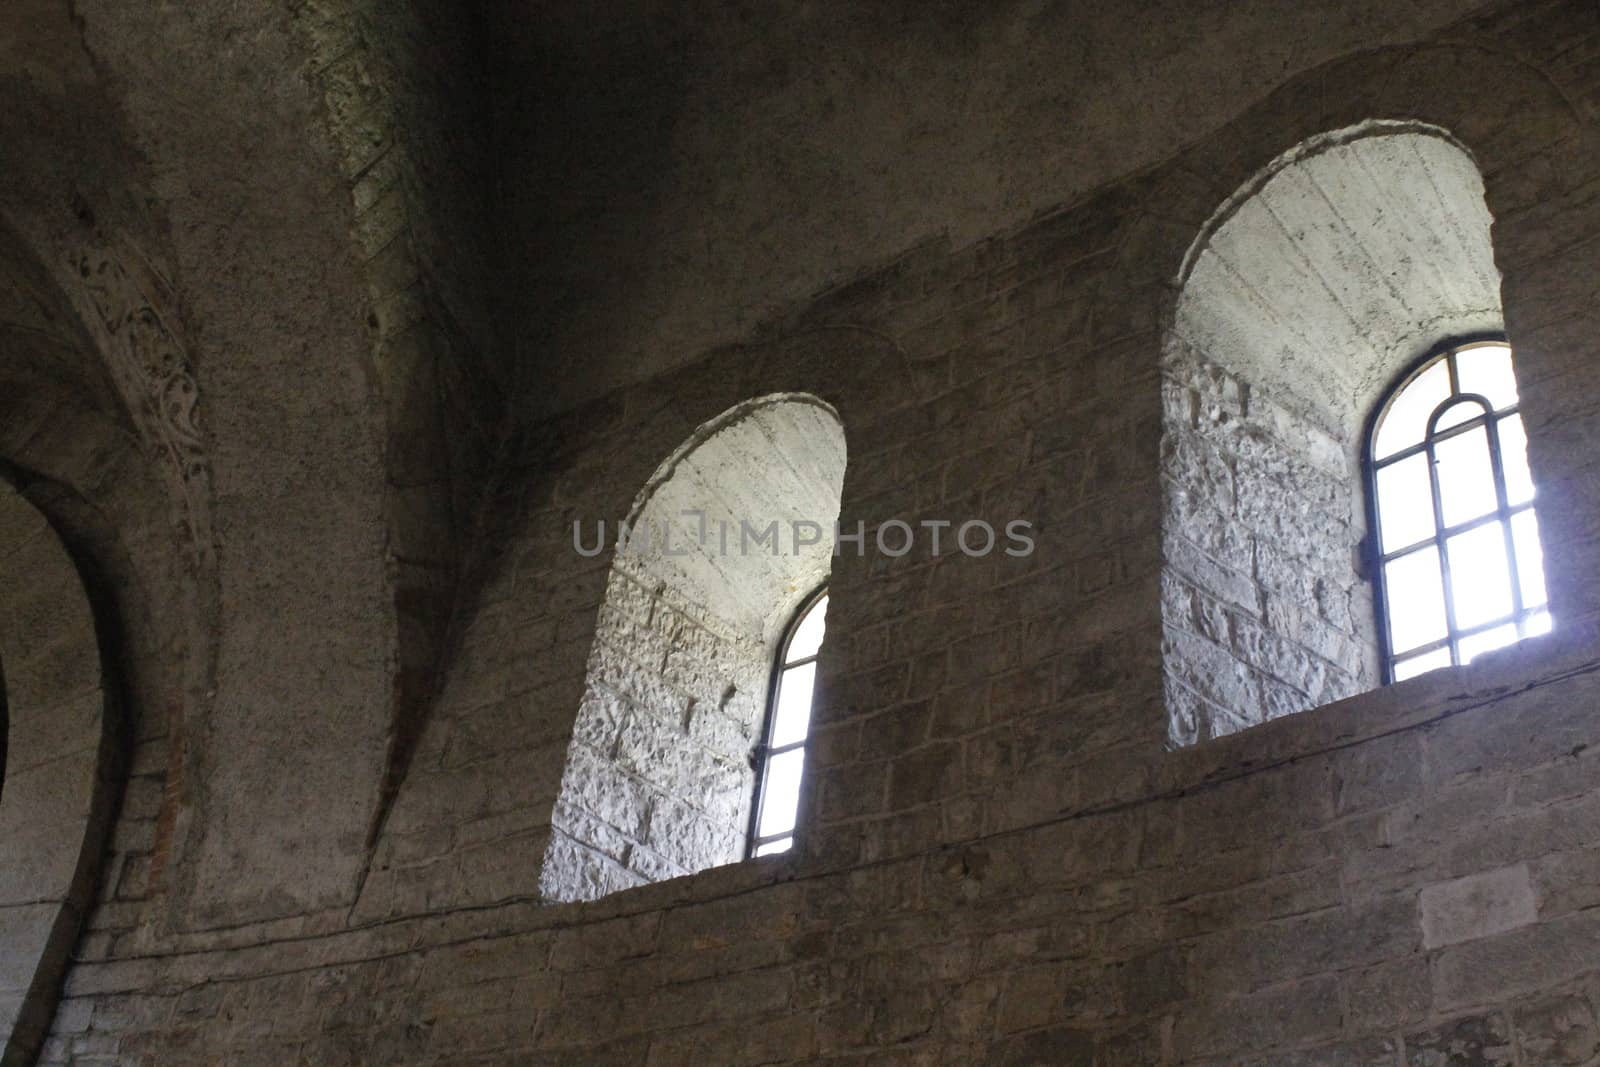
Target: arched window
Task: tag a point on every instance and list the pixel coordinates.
(1460, 568)
(1299, 301)
(660, 780)
(781, 756)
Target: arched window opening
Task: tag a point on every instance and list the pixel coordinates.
(731, 536)
(1322, 276)
(1460, 567)
(781, 757)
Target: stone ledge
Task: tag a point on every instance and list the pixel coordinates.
(1391, 709)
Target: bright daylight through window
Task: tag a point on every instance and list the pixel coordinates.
(1461, 570)
(782, 755)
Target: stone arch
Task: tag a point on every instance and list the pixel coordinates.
(1437, 86)
(659, 779)
(68, 451)
(106, 481)
(101, 629)
(59, 783)
(1328, 202)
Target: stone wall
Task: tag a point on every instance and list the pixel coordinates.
(1001, 862)
(658, 775)
(1403, 879)
(1265, 612)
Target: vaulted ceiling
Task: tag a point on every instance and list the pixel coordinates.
(1349, 259)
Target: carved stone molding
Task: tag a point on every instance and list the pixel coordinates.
(152, 371)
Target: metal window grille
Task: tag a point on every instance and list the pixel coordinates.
(780, 757)
(1459, 566)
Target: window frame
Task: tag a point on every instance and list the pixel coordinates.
(1488, 419)
(761, 756)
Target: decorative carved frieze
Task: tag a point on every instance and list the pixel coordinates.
(150, 368)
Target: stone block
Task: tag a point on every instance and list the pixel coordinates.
(605, 791)
(1376, 776)
(1476, 1041)
(1058, 1046)
(1559, 1032)
(1567, 881)
(1300, 1013)
(1327, 941)
(1388, 995)
(927, 774)
(1525, 960)
(1153, 982)
(1478, 905)
(895, 731)
(852, 791)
